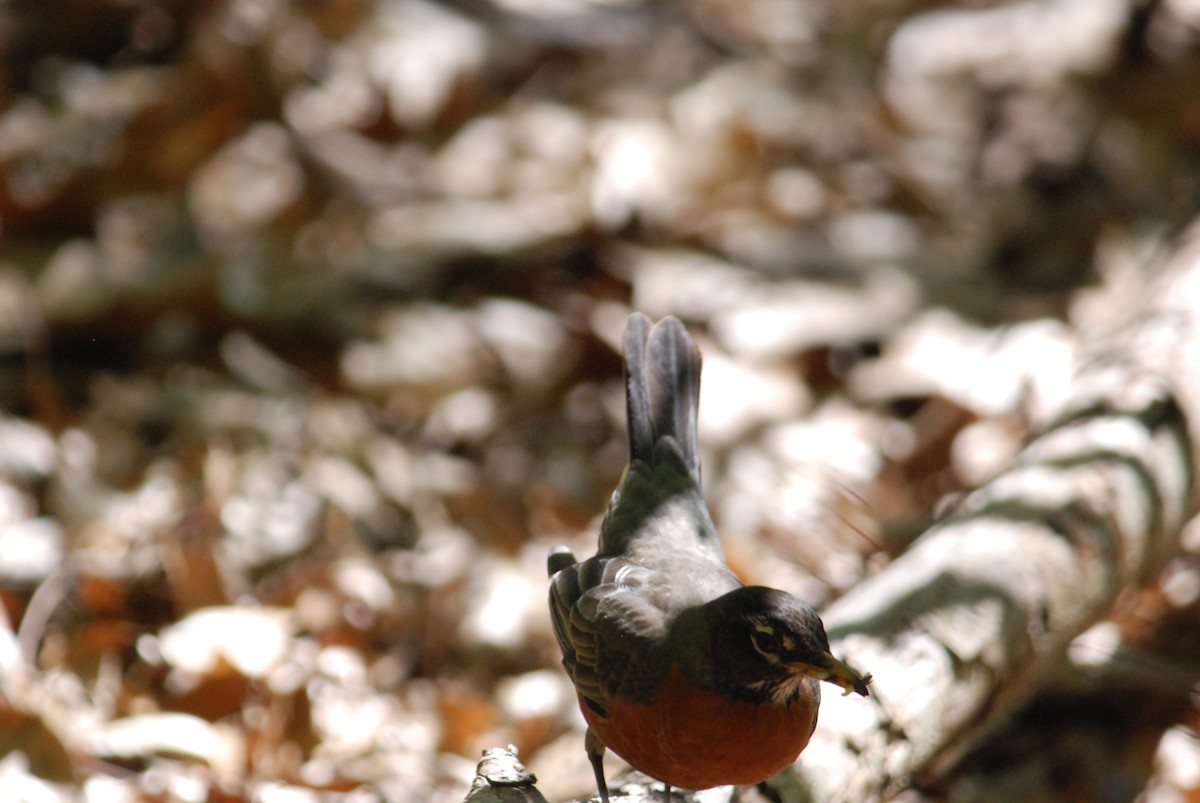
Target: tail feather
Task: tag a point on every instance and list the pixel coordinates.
(637, 394)
(662, 387)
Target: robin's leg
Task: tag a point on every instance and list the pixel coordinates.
(595, 753)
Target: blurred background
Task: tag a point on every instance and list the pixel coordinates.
(308, 316)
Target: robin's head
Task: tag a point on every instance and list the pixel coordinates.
(767, 645)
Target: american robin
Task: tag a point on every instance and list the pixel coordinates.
(689, 675)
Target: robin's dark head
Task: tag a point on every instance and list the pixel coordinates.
(767, 645)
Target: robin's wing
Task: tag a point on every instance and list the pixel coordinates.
(612, 634)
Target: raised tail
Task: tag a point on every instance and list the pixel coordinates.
(662, 387)
(657, 516)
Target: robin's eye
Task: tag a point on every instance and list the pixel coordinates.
(765, 641)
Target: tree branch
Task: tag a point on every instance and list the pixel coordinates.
(961, 629)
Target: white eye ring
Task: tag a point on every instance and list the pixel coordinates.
(766, 642)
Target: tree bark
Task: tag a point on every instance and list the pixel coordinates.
(962, 629)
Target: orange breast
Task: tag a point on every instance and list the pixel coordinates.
(696, 739)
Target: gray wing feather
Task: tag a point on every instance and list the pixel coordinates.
(597, 611)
